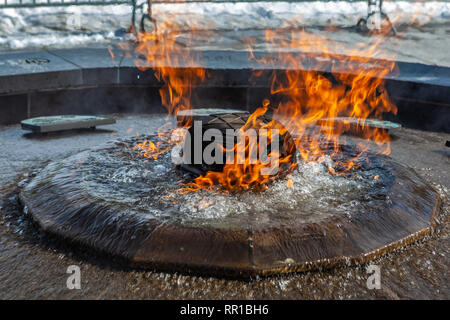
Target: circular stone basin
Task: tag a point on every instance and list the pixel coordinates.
(114, 200)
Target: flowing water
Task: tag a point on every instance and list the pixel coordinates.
(121, 177)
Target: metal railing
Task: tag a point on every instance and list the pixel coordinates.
(375, 12)
(375, 7)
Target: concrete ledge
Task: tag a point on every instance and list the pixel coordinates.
(91, 81)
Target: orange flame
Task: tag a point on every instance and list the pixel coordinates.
(243, 172)
(321, 96)
(314, 104)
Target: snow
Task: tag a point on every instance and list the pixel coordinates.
(74, 26)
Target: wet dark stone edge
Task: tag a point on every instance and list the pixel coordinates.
(146, 259)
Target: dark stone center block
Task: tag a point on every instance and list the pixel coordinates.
(114, 201)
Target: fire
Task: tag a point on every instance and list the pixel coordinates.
(318, 94)
(149, 149)
(314, 102)
(243, 172)
(175, 66)
(290, 184)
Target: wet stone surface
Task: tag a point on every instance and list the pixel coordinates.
(33, 265)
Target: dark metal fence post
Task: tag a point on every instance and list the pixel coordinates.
(133, 16)
(375, 8)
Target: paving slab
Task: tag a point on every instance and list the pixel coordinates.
(99, 65)
(36, 70)
(66, 122)
(225, 68)
(41, 83)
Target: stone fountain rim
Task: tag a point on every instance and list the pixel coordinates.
(246, 252)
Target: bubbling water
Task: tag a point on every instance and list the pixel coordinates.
(120, 177)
